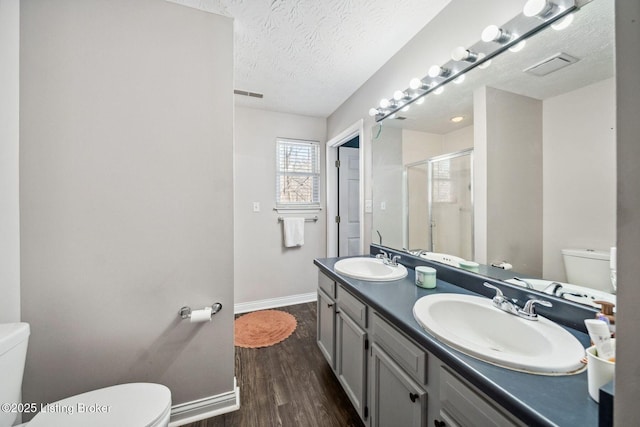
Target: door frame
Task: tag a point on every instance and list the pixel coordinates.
(356, 129)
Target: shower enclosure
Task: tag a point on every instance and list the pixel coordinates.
(439, 204)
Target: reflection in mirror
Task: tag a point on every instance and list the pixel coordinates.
(450, 204)
(541, 126)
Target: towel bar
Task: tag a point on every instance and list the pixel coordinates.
(314, 219)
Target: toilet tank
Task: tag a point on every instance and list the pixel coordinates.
(13, 351)
(588, 267)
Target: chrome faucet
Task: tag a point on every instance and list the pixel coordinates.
(556, 289)
(552, 288)
(384, 256)
(527, 312)
(527, 284)
(501, 302)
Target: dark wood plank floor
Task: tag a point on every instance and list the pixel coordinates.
(288, 384)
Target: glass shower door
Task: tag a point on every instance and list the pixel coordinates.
(451, 204)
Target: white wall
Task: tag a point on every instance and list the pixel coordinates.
(417, 146)
(9, 143)
(126, 187)
(579, 158)
(264, 268)
(458, 140)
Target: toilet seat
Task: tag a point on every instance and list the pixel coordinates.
(135, 405)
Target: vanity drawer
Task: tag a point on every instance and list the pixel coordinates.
(403, 351)
(327, 285)
(461, 404)
(356, 310)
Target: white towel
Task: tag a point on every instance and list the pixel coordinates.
(293, 232)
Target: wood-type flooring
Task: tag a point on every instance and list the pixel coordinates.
(288, 384)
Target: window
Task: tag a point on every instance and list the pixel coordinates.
(297, 174)
(442, 183)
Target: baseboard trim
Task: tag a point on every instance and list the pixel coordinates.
(264, 304)
(207, 407)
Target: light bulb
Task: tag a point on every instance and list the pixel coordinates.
(457, 119)
(398, 95)
(373, 112)
(485, 64)
(406, 108)
(462, 54)
(538, 8)
(420, 101)
(384, 103)
(518, 46)
(495, 34)
(393, 116)
(418, 84)
(459, 79)
(439, 90)
(563, 23)
(436, 71)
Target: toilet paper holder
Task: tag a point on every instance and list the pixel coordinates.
(185, 312)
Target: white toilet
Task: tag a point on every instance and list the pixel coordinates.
(588, 267)
(135, 404)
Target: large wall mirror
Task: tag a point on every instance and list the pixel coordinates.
(540, 123)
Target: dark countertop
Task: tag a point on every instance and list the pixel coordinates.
(534, 399)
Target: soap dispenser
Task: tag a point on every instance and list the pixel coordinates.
(607, 315)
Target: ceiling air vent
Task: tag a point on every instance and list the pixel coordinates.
(247, 93)
(551, 64)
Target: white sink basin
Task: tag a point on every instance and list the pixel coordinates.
(373, 269)
(474, 326)
(451, 260)
(579, 294)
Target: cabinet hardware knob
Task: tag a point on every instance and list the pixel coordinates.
(329, 305)
(439, 423)
(413, 397)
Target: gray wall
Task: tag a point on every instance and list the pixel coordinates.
(9, 138)
(387, 163)
(274, 271)
(126, 196)
(628, 221)
(513, 144)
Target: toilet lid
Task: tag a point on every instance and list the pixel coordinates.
(135, 405)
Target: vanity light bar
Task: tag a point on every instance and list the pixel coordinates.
(510, 34)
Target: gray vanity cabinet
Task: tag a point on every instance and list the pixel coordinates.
(351, 348)
(343, 340)
(327, 327)
(351, 362)
(396, 399)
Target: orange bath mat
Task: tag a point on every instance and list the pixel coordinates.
(263, 328)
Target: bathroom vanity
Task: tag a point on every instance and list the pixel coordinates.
(395, 373)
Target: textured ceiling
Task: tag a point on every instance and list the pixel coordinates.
(308, 56)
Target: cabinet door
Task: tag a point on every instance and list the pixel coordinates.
(351, 360)
(326, 327)
(396, 399)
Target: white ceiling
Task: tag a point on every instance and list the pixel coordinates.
(308, 56)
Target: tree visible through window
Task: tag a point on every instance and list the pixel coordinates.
(297, 174)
